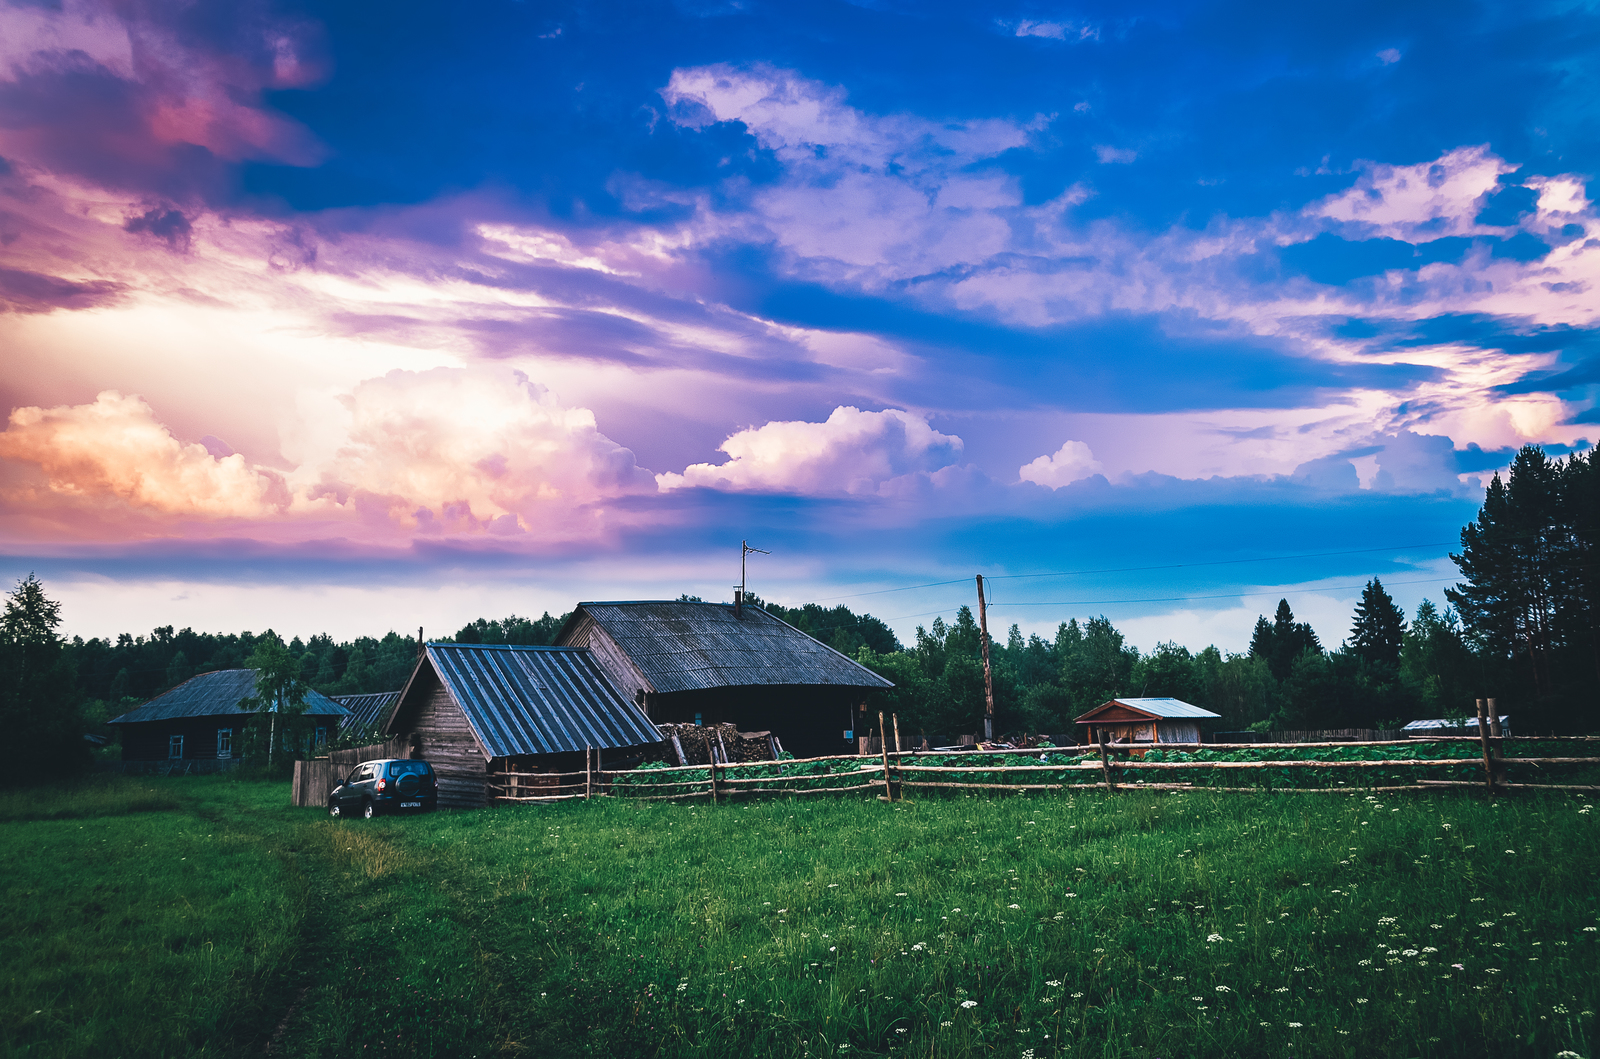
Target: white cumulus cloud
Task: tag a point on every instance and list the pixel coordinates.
(479, 448)
(852, 453)
(1070, 463)
(116, 448)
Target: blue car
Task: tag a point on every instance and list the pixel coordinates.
(392, 785)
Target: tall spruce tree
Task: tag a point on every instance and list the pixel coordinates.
(1379, 628)
(1283, 641)
(1517, 560)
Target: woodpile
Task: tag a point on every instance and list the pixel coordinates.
(703, 744)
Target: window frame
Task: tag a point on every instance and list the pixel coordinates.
(175, 743)
(224, 744)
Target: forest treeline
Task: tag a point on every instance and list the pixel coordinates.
(1521, 626)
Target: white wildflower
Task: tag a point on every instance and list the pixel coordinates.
(969, 1003)
(1211, 938)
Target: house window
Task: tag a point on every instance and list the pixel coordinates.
(322, 737)
(175, 747)
(224, 742)
(697, 719)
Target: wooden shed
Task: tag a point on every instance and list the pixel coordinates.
(699, 663)
(473, 709)
(201, 721)
(1146, 721)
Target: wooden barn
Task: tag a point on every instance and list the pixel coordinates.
(701, 663)
(473, 709)
(201, 720)
(1146, 721)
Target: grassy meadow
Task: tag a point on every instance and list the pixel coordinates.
(204, 916)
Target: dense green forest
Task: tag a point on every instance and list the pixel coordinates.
(1521, 626)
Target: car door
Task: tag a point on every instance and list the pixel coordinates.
(350, 793)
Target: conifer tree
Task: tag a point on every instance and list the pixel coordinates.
(1379, 627)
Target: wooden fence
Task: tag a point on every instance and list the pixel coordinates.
(315, 779)
(1104, 766)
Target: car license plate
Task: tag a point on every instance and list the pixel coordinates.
(411, 805)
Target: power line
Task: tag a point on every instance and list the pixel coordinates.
(1223, 595)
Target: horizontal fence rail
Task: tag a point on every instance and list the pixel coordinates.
(1105, 766)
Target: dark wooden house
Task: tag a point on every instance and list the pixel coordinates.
(473, 709)
(713, 662)
(1145, 721)
(201, 720)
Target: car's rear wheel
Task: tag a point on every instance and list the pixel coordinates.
(334, 809)
(368, 810)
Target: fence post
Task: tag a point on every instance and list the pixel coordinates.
(883, 745)
(1105, 766)
(1483, 739)
(1498, 745)
(711, 764)
(588, 772)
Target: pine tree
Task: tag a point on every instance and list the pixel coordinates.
(1379, 627)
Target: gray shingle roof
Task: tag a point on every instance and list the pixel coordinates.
(367, 710)
(696, 646)
(538, 700)
(217, 694)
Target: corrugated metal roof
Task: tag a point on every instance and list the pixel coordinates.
(1158, 708)
(538, 700)
(1449, 722)
(695, 646)
(366, 710)
(217, 694)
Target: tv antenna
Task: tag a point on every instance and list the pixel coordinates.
(738, 599)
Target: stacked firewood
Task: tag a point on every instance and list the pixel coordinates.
(697, 744)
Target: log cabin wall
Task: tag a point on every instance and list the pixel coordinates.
(443, 738)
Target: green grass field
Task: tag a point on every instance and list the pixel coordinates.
(204, 916)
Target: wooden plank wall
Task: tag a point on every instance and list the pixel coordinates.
(314, 780)
(446, 742)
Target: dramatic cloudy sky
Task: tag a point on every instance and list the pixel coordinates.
(362, 316)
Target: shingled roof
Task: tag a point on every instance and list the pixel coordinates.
(679, 646)
(217, 694)
(536, 700)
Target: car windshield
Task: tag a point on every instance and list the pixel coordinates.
(404, 768)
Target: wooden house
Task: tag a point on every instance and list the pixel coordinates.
(699, 663)
(473, 709)
(1145, 721)
(201, 721)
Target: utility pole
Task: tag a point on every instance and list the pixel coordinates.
(738, 599)
(988, 677)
